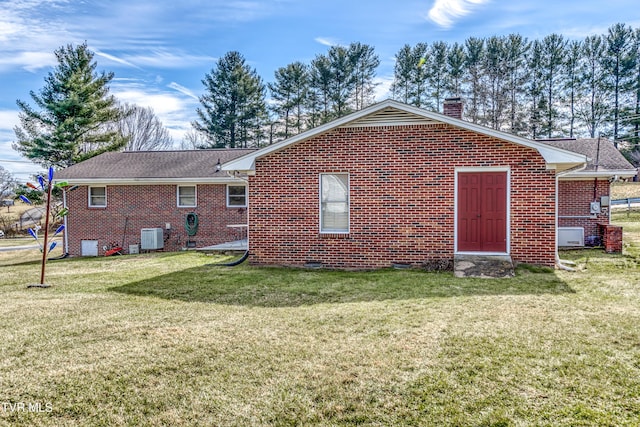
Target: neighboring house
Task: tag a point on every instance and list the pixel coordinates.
(394, 183)
(118, 194)
(585, 194)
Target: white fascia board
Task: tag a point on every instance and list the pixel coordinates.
(551, 155)
(577, 176)
(148, 181)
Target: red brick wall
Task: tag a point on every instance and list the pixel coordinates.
(150, 206)
(574, 198)
(402, 197)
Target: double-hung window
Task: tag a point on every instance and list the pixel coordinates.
(187, 197)
(97, 197)
(236, 196)
(334, 203)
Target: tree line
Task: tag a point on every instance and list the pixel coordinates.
(548, 88)
(540, 89)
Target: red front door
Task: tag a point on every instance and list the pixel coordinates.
(482, 211)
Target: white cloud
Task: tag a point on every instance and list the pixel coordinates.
(10, 159)
(444, 12)
(326, 41)
(182, 89)
(383, 87)
(115, 59)
(165, 59)
(28, 34)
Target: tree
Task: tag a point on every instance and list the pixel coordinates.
(495, 70)
(403, 72)
(193, 140)
(320, 88)
(365, 62)
(572, 84)
(233, 109)
(516, 48)
(593, 108)
(142, 129)
(474, 50)
(619, 63)
(343, 82)
(438, 77)
(7, 183)
(553, 54)
(75, 109)
(289, 96)
(535, 89)
(455, 64)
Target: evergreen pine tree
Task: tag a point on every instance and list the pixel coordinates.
(289, 96)
(619, 65)
(553, 57)
(593, 108)
(74, 111)
(233, 111)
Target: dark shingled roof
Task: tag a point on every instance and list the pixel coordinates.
(610, 159)
(152, 164)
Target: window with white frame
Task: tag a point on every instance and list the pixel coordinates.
(236, 196)
(187, 196)
(97, 197)
(334, 203)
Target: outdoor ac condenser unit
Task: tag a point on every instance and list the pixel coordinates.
(571, 236)
(151, 239)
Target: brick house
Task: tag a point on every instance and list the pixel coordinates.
(394, 183)
(118, 194)
(578, 190)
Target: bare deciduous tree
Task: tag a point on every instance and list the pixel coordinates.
(193, 140)
(7, 183)
(143, 129)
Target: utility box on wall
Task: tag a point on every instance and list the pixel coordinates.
(151, 239)
(570, 236)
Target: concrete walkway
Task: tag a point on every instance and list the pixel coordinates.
(18, 248)
(238, 245)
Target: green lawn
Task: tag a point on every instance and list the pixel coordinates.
(168, 339)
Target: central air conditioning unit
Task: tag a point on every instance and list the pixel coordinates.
(151, 239)
(571, 236)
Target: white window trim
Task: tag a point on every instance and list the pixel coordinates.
(348, 230)
(246, 196)
(455, 215)
(91, 205)
(178, 187)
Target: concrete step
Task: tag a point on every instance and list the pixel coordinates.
(486, 266)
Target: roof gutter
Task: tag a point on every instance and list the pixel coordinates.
(149, 181)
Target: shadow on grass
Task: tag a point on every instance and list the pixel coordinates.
(283, 287)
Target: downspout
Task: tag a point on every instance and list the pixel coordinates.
(559, 262)
(66, 235)
(595, 180)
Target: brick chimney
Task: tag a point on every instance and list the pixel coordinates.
(453, 107)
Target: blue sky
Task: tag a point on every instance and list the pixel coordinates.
(160, 50)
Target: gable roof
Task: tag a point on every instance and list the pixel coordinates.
(604, 158)
(140, 167)
(390, 112)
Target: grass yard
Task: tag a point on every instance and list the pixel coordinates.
(168, 339)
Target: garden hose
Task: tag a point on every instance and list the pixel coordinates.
(191, 223)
